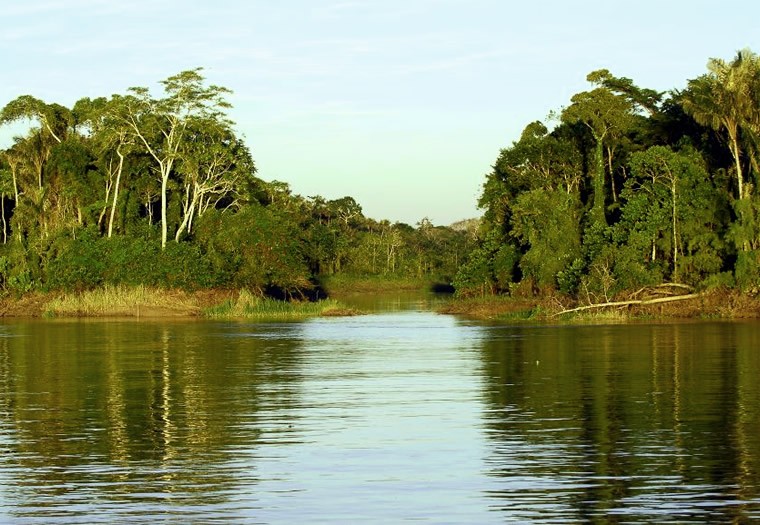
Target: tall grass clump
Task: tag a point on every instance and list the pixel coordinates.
(118, 301)
(250, 306)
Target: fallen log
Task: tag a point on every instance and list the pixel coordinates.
(633, 302)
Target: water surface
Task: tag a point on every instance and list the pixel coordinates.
(402, 415)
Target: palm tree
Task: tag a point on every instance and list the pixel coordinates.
(711, 102)
(746, 83)
(726, 98)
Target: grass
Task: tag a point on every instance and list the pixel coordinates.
(123, 301)
(250, 306)
(142, 301)
(493, 307)
(346, 284)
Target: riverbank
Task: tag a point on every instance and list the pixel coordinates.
(713, 304)
(148, 302)
(338, 285)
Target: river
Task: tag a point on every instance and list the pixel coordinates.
(402, 415)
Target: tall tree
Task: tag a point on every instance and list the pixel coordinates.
(53, 118)
(161, 125)
(670, 213)
(215, 167)
(746, 73)
(605, 115)
(112, 140)
(643, 98)
(715, 100)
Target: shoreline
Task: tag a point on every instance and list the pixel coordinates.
(713, 304)
(159, 303)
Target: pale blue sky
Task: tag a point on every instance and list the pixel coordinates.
(402, 104)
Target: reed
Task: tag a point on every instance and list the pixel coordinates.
(122, 301)
(250, 306)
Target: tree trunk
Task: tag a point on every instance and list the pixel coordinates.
(164, 219)
(598, 209)
(5, 223)
(189, 209)
(736, 153)
(634, 302)
(675, 230)
(612, 178)
(116, 192)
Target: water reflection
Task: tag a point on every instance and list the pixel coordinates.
(103, 419)
(384, 418)
(629, 423)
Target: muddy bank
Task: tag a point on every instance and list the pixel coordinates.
(714, 304)
(170, 303)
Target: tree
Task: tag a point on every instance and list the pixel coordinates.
(346, 209)
(670, 209)
(113, 141)
(708, 103)
(646, 99)
(214, 166)
(605, 115)
(53, 118)
(161, 126)
(746, 81)
(726, 99)
(547, 223)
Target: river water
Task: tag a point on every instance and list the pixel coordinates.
(402, 415)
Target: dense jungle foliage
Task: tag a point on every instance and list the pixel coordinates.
(630, 188)
(143, 190)
(623, 188)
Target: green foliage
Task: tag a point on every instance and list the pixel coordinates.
(89, 260)
(547, 224)
(489, 267)
(670, 217)
(747, 270)
(505, 262)
(569, 279)
(94, 195)
(475, 277)
(14, 279)
(253, 248)
(627, 189)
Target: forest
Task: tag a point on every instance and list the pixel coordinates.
(622, 189)
(627, 188)
(137, 189)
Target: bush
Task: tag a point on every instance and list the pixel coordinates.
(253, 248)
(88, 261)
(747, 270)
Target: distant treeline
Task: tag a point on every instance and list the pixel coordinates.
(629, 188)
(137, 189)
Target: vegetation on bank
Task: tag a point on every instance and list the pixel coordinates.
(158, 191)
(149, 302)
(626, 189)
(123, 301)
(624, 192)
(343, 284)
(249, 306)
(717, 303)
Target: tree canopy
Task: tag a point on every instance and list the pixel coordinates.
(139, 188)
(630, 188)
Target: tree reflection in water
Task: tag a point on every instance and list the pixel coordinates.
(649, 422)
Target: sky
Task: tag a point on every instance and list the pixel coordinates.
(402, 104)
